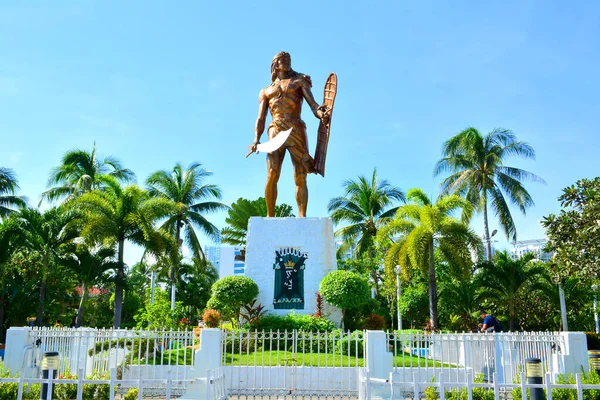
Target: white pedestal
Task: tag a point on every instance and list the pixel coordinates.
(312, 237)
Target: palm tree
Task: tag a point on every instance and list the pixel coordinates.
(365, 206)
(479, 174)
(421, 228)
(9, 233)
(81, 172)
(8, 187)
(505, 279)
(90, 265)
(192, 200)
(462, 298)
(238, 217)
(47, 235)
(115, 215)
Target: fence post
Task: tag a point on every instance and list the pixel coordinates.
(499, 359)
(17, 341)
(469, 385)
(416, 385)
(548, 386)
(20, 390)
(113, 378)
(169, 382)
(207, 357)
(579, 387)
(575, 353)
(80, 376)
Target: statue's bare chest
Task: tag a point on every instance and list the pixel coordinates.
(285, 88)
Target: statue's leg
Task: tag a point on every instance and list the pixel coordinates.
(300, 171)
(274, 162)
(301, 190)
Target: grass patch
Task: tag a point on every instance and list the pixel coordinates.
(285, 358)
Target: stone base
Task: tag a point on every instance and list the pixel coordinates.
(294, 239)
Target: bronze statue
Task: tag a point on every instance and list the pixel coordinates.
(283, 97)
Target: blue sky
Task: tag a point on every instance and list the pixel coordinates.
(155, 83)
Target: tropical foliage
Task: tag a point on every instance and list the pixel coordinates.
(422, 227)
(81, 172)
(365, 206)
(505, 279)
(574, 233)
(190, 201)
(118, 214)
(478, 173)
(8, 187)
(67, 263)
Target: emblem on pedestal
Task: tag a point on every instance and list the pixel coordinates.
(289, 279)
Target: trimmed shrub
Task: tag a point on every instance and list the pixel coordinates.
(374, 322)
(293, 321)
(211, 318)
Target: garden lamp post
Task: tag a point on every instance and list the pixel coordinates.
(595, 289)
(398, 270)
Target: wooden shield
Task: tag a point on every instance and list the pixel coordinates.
(324, 129)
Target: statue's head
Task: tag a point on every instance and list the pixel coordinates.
(281, 62)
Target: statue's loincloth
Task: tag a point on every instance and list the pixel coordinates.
(296, 143)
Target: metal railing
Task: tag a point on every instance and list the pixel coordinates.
(134, 354)
(292, 362)
(458, 354)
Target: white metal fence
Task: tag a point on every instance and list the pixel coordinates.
(454, 356)
(293, 363)
(134, 354)
(296, 363)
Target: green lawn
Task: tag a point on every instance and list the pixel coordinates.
(275, 357)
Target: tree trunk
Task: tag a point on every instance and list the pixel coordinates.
(173, 267)
(432, 289)
(2, 288)
(82, 303)
(486, 230)
(511, 322)
(563, 308)
(119, 286)
(42, 296)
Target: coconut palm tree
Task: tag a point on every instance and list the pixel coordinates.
(365, 207)
(421, 228)
(504, 280)
(238, 217)
(478, 173)
(191, 200)
(118, 214)
(8, 187)
(46, 235)
(81, 172)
